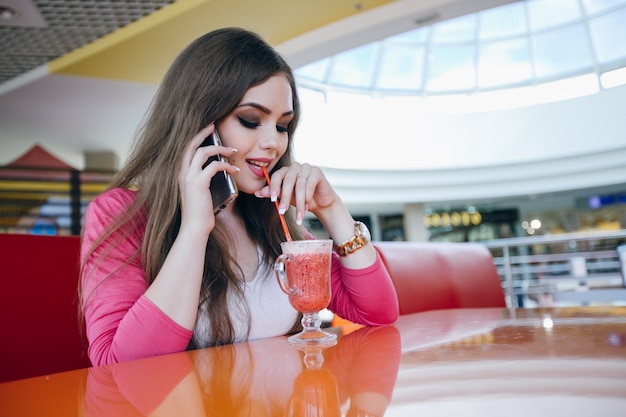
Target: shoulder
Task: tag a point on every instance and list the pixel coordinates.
(107, 207)
(115, 199)
(111, 203)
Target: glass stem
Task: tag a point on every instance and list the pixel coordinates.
(311, 321)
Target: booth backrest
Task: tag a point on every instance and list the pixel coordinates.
(38, 306)
(433, 276)
(39, 320)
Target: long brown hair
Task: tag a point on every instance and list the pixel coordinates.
(204, 84)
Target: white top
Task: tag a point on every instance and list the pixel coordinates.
(270, 311)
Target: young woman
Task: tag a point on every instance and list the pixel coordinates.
(160, 271)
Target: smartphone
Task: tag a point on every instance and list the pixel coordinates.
(223, 187)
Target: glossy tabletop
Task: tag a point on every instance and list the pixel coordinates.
(473, 362)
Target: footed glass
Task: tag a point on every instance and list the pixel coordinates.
(303, 273)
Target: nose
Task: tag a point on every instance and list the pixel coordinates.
(270, 139)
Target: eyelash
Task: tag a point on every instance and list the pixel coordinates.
(249, 125)
(252, 125)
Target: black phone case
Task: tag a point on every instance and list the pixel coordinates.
(223, 187)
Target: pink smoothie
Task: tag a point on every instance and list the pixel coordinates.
(309, 279)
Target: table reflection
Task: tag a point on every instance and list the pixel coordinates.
(566, 360)
(261, 378)
(144, 387)
(472, 362)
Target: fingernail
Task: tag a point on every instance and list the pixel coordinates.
(273, 199)
(281, 210)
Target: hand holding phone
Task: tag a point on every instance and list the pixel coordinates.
(223, 187)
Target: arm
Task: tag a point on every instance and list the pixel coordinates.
(365, 296)
(121, 323)
(362, 288)
(125, 318)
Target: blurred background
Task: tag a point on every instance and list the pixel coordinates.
(437, 120)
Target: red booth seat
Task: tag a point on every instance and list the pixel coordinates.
(434, 276)
(38, 306)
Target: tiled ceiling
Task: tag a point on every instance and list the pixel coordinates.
(46, 29)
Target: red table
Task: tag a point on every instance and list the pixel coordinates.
(472, 362)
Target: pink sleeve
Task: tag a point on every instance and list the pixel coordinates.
(121, 323)
(365, 296)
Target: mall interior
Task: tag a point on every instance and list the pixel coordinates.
(440, 121)
(483, 142)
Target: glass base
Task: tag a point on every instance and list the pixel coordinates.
(312, 337)
(312, 333)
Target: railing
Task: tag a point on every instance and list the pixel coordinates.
(573, 268)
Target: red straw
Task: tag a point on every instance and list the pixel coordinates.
(282, 218)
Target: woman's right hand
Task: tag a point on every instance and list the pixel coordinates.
(178, 298)
(194, 181)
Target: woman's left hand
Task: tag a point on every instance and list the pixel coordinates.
(307, 189)
(302, 185)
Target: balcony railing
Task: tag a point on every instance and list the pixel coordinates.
(568, 269)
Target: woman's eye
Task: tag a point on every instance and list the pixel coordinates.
(248, 124)
(282, 129)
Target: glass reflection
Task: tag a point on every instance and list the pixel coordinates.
(315, 391)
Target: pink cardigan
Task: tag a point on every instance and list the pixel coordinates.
(122, 324)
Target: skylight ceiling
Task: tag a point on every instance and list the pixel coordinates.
(520, 44)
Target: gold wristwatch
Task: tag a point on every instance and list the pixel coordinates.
(361, 238)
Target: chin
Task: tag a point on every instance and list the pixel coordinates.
(247, 189)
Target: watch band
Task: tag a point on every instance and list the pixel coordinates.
(355, 243)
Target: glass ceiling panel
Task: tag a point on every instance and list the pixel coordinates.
(548, 14)
(354, 68)
(401, 68)
(562, 52)
(503, 63)
(461, 29)
(608, 34)
(502, 22)
(316, 71)
(451, 68)
(595, 6)
(520, 44)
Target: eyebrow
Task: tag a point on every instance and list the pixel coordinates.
(263, 108)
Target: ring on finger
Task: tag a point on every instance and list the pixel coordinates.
(301, 175)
